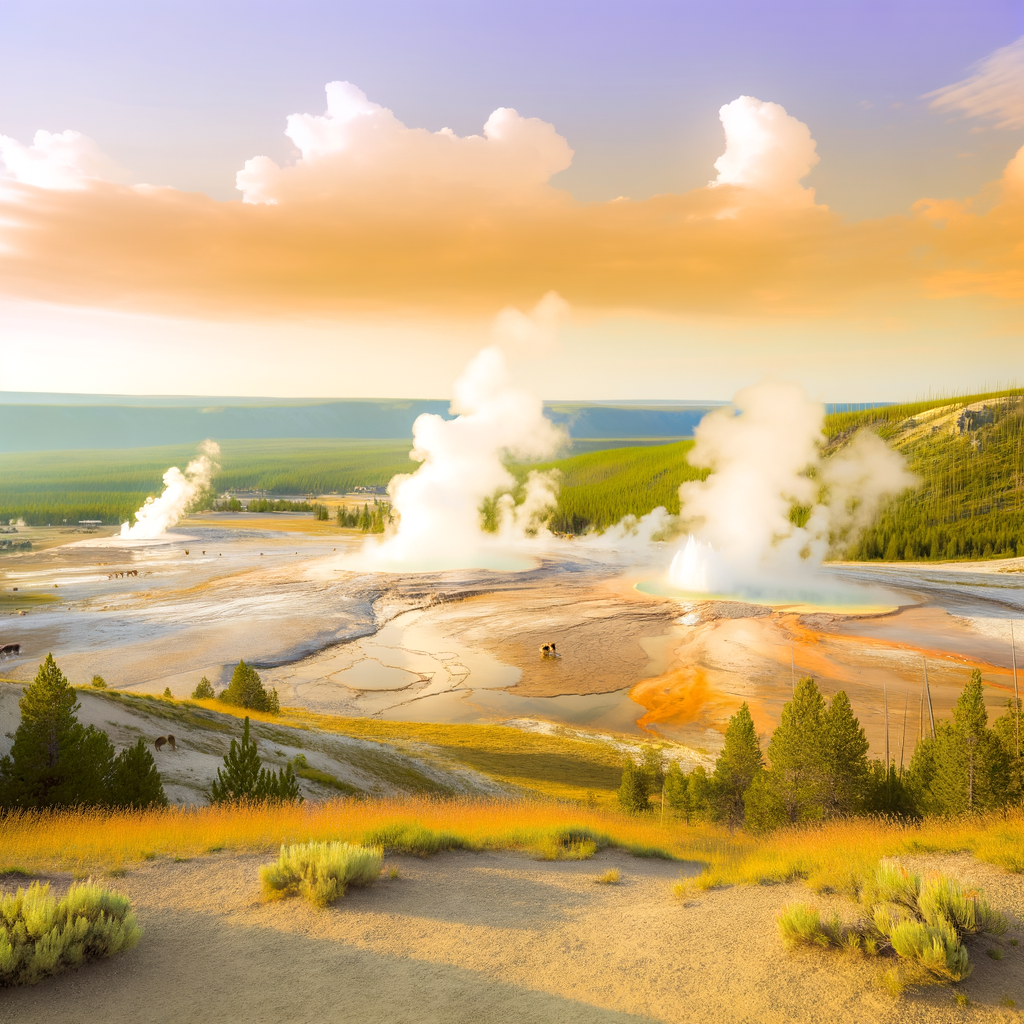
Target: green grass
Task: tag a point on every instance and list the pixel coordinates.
(49, 487)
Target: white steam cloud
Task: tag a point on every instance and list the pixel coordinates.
(765, 456)
(438, 506)
(157, 515)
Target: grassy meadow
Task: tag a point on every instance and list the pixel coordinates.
(830, 857)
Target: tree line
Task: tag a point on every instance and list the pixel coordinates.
(372, 519)
(816, 766)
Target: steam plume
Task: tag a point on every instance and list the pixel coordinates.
(180, 490)
(765, 456)
(438, 506)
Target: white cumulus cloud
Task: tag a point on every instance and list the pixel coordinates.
(359, 148)
(57, 160)
(766, 150)
(995, 90)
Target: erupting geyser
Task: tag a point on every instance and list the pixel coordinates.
(157, 515)
(766, 460)
(438, 506)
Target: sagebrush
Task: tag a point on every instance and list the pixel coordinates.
(41, 935)
(320, 872)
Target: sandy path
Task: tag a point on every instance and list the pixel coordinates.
(487, 938)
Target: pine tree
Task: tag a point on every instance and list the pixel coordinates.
(278, 787)
(246, 690)
(243, 777)
(677, 791)
(737, 764)
(845, 757)
(971, 771)
(633, 789)
(699, 786)
(653, 769)
(1009, 730)
(134, 780)
(795, 779)
(54, 760)
(204, 690)
(238, 778)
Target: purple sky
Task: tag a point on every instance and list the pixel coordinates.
(182, 93)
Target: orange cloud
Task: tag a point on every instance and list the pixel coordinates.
(375, 215)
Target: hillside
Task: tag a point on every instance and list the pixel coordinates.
(361, 756)
(969, 455)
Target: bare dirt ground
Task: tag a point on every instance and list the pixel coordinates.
(493, 937)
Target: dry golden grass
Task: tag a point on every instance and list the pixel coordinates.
(831, 856)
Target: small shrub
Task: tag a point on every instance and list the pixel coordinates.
(894, 981)
(99, 683)
(392, 873)
(800, 924)
(1009, 1002)
(570, 844)
(994, 954)
(961, 1000)
(320, 872)
(40, 935)
(167, 693)
(411, 839)
(923, 921)
(610, 877)
(204, 690)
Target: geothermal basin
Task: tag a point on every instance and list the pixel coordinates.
(281, 591)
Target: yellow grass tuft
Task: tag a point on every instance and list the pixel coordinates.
(610, 877)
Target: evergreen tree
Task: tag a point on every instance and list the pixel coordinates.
(970, 770)
(204, 690)
(246, 690)
(653, 769)
(1009, 730)
(278, 787)
(54, 761)
(237, 779)
(886, 792)
(633, 789)
(244, 778)
(795, 779)
(844, 757)
(699, 786)
(677, 791)
(737, 764)
(134, 780)
(763, 806)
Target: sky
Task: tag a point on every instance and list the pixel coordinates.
(636, 200)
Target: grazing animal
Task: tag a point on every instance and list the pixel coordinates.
(548, 651)
(171, 743)
(186, 551)
(160, 741)
(10, 650)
